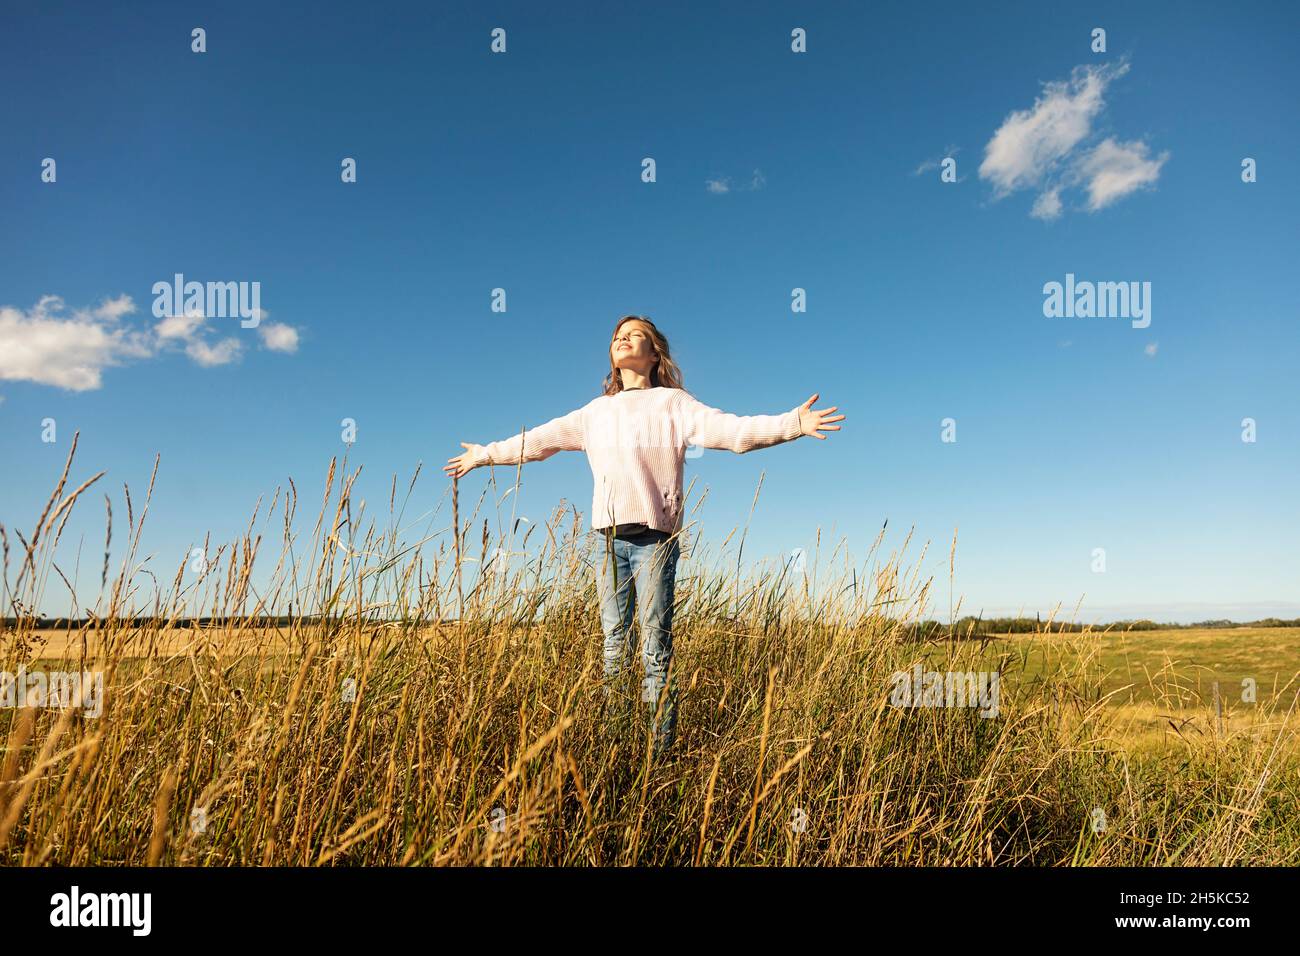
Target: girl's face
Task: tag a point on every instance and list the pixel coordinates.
(632, 348)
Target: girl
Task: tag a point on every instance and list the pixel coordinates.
(635, 436)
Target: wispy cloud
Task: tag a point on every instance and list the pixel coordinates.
(1047, 205)
(722, 185)
(1113, 170)
(181, 327)
(222, 353)
(49, 345)
(278, 337)
(1047, 147)
(1030, 143)
(930, 165)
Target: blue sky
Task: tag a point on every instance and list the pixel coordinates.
(774, 170)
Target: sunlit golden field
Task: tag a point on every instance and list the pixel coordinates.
(379, 731)
(1158, 686)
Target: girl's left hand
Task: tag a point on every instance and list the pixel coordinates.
(462, 464)
(812, 420)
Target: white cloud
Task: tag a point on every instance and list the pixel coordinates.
(278, 337)
(49, 348)
(180, 326)
(1030, 142)
(223, 353)
(112, 310)
(1113, 170)
(722, 185)
(1045, 147)
(931, 164)
(49, 345)
(1048, 205)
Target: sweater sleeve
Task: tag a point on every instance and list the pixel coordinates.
(714, 428)
(559, 434)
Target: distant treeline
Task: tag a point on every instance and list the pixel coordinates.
(979, 627)
(968, 626)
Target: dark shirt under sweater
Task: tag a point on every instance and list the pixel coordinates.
(638, 532)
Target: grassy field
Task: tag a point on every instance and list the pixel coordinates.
(1159, 686)
(381, 732)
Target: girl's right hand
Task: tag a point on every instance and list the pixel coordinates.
(462, 464)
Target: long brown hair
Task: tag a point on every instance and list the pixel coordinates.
(664, 372)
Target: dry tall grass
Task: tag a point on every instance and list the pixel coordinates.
(378, 724)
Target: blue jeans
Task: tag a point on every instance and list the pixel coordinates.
(640, 571)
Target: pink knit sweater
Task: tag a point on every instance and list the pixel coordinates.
(636, 442)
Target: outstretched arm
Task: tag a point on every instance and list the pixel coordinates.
(714, 428)
(559, 434)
